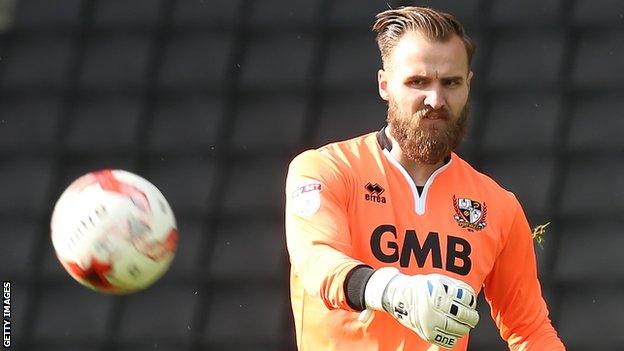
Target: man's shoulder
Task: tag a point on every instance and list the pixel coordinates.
(352, 145)
(337, 160)
(342, 151)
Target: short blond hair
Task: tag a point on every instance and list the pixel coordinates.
(390, 26)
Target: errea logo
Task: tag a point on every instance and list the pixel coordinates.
(374, 193)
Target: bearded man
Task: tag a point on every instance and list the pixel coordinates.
(391, 235)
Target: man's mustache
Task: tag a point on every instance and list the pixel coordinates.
(442, 113)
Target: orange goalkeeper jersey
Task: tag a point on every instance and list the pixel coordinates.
(351, 203)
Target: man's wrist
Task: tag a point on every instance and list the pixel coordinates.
(355, 286)
(376, 286)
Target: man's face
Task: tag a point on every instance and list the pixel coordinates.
(426, 85)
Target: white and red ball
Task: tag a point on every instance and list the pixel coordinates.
(114, 232)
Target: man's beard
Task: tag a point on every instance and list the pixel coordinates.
(427, 144)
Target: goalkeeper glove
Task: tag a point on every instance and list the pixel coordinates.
(439, 309)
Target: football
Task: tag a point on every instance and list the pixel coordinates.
(114, 231)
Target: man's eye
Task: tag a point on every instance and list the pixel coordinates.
(418, 82)
(452, 83)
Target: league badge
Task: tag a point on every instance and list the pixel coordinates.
(306, 199)
(469, 214)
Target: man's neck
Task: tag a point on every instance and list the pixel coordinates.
(420, 172)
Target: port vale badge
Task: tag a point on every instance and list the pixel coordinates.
(469, 214)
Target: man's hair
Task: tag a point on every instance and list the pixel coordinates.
(434, 25)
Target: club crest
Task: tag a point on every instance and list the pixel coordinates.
(469, 214)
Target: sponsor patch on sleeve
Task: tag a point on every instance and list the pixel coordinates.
(306, 199)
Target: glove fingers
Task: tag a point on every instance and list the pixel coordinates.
(455, 328)
(457, 290)
(464, 315)
(460, 313)
(463, 294)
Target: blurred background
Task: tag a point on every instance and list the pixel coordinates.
(211, 99)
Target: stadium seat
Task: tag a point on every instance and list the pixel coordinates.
(580, 240)
(51, 268)
(593, 186)
(522, 122)
(195, 59)
(38, 62)
(466, 11)
(530, 177)
(214, 13)
(283, 13)
(191, 242)
(351, 62)
(597, 52)
(18, 238)
(347, 116)
(79, 164)
(255, 186)
(249, 249)
(186, 122)
(66, 345)
(29, 122)
(269, 122)
(232, 310)
(342, 14)
(43, 14)
(593, 127)
(186, 181)
(598, 307)
(105, 124)
(360, 16)
(27, 184)
(597, 13)
(473, 138)
(71, 313)
(526, 59)
(277, 60)
(119, 13)
(551, 291)
(532, 13)
(155, 345)
(160, 313)
(480, 59)
(116, 60)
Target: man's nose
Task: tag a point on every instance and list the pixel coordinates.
(434, 98)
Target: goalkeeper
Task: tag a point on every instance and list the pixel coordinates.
(391, 235)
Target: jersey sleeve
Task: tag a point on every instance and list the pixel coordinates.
(317, 230)
(514, 293)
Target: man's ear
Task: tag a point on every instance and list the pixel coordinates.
(382, 84)
(469, 79)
